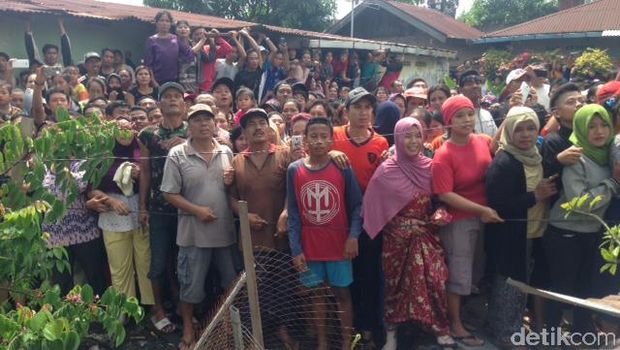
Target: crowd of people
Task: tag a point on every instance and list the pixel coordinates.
(404, 198)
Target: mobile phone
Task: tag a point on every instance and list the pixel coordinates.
(20, 63)
(297, 141)
(525, 91)
(282, 41)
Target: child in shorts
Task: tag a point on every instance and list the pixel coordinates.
(324, 224)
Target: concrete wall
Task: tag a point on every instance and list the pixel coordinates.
(431, 69)
(85, 35)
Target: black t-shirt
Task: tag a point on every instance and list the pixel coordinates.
(250, 80)
(138, 95)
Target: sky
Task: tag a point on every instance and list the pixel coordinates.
(344, 6)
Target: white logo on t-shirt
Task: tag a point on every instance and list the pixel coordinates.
(320, 200)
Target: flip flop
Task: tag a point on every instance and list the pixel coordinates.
(469, 340)
(449, 344)
(164, 325)
(183, 345)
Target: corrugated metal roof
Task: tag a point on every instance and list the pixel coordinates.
(447, 25)
(376, 44)
(598, 16)
(114, 11)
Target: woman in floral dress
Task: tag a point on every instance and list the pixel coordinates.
(398, 202)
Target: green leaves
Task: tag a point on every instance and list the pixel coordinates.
(610, 248)
(87, 293)
(594, 63)
(26, 259)
(7, 326)
(449, 82)
(53, 330)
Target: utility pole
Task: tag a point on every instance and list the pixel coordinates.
(352, 17)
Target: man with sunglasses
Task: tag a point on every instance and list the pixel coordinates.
(470, 85)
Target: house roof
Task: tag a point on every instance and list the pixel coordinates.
(447, 25)
(595, 17)
(115, 12)
(426, 19)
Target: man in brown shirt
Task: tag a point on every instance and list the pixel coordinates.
(260, 179)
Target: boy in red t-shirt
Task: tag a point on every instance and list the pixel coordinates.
(324, 224)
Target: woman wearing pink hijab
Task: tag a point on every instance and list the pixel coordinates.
(398, 203)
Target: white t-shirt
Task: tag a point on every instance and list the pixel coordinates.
(485, 123)
(225, 70)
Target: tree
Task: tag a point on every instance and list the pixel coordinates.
(495, 14)
(306, 14)
(41, 317)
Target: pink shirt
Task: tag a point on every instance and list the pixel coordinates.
(461, 169)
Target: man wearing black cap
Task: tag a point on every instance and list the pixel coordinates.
(155, 142)
(470, 85)
(260, 179)
(193, 182)
(365, 150)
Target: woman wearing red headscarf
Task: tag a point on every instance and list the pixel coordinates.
(398, 202)
(459, 168)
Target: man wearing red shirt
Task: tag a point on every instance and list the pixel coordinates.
(365, 150)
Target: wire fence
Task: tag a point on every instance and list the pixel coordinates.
(286, 310)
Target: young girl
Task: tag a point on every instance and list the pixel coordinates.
(245, 101)
(571, 244)
(146, 86)
(459, 169)
(78, 90)
(399, 194)
(115, 88)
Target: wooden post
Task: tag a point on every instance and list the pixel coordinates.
(248, 260)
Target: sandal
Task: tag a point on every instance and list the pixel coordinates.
(164, 325)
(184, 345)
(469, 340)
(447, 342)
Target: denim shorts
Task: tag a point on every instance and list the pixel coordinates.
(336, 273)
